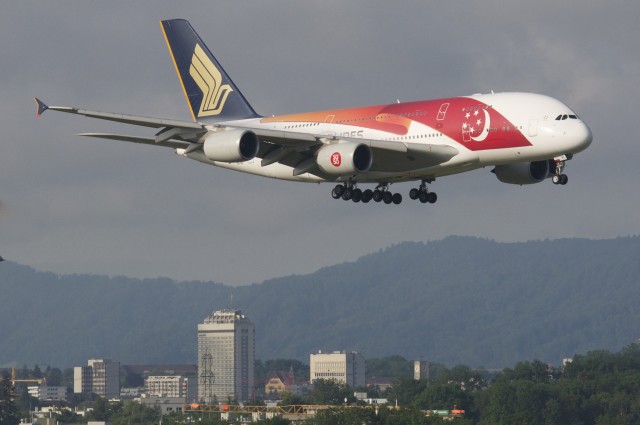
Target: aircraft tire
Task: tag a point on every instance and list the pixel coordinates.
(397, 198)
(357, 195)
(337, 192)
(387, 197)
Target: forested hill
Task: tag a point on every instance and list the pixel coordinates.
(459, 300)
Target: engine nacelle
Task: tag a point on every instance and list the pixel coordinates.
(523, 172)
(345, 158)
(231, 145)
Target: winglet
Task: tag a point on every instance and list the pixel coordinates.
(41, 106)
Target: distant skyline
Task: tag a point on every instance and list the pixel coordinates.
(75, 205)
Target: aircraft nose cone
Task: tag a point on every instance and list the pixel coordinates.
(583, 138)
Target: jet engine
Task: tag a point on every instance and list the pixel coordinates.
(523, 172)
(231, 145)
(345, 158)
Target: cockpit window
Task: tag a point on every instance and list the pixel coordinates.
(565, 116)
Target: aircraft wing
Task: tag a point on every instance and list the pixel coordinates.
(175, 144)
(294, 149)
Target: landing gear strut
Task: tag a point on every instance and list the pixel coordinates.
(382, 193)
(422, 193)
(558, 176)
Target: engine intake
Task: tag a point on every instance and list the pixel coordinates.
(345, 158)
(231, 145)
(523, 172)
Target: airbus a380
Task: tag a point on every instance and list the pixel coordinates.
(526, 137)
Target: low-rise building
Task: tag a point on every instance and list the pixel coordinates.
(278, 382)
(339, 366)
(170, 386)
(44, 392)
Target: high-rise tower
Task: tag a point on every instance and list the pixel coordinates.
(226, 357)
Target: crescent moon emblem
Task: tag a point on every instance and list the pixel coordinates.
(487, 124)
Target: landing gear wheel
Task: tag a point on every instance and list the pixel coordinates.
(357, 195)
(367, 195)
(337, 191)
(414, 193)
(377, 195)
(387, 197)
(563, 179)
(347, 194)
(424, 197)
(432, 197)
(396, 198)
(556, 179)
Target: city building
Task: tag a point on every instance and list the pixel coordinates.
(166, 405)
(340, 366)
(420, 370)
(101, 377)
(226, 356)
(279, 382)
(44, 392)
(170, 386)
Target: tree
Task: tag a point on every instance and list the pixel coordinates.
(330, 392)
(54, 377)
(8, 409)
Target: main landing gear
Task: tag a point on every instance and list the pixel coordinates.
(558, 176)
(423, 194)
(350, 191)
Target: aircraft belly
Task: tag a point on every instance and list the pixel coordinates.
(274, 171)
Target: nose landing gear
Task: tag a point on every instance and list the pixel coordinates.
(558, 176)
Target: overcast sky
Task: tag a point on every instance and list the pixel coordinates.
(76, 205)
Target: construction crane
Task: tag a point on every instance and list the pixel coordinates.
(14, 380)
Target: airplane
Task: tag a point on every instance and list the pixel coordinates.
(525, 137)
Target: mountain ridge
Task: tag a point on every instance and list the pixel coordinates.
(458, 300)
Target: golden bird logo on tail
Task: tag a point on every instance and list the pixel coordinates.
(209, 79)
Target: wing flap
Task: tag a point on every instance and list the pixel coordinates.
(175, 144)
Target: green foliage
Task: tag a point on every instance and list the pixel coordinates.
(330, 392)
(290, 399)
(124, 413)
(69, 417)
(300, 369)
(8, 410)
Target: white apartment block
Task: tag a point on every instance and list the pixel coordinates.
(101, 377)
(340, 366)
(226, 355)
(169, 386)
(47, 393)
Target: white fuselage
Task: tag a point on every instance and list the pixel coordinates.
(486, 129)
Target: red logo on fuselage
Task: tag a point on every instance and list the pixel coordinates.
(336, 159)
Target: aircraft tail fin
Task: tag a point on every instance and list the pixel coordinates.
(210, 93)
